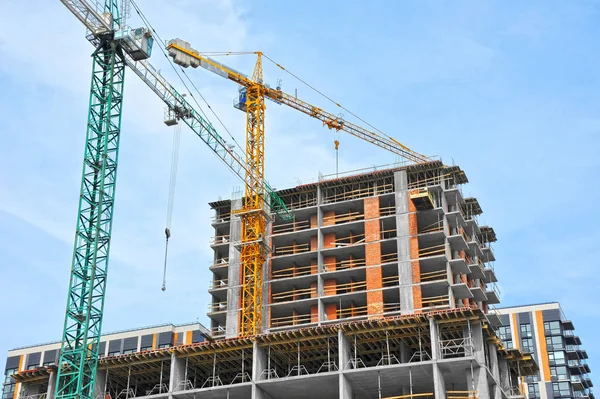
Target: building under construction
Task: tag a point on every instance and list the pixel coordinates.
(380, 287)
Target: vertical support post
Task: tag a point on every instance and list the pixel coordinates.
(85, 302)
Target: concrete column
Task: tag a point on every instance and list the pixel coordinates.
(435, 340)
(320, 259)
(259, 361)
(439, 384)
(233, 272)
(504, 374)
(479, 372)
(99, 388)
(344, 351)
(495, 369)
(52, 385)
(177, 373)
(404, 353)
(258, 393)
(402, 232)
(346, 390)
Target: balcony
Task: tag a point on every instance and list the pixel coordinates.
(217, 307)
(219, 240)
(218, 284)
(219, 263)
(476, 268)
(458, 240)
(492, 294)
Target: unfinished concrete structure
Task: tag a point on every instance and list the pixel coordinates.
(379, 288)
(387, 242)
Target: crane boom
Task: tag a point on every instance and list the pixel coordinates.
(184, 55)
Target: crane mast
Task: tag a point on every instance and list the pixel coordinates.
(253, 248)
(117, 46)
(85, 302)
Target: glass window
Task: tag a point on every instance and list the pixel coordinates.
(561, 389)
(526, 330)
(508, 344)
(115, 353)
(146, 348)
(504, 333)
(552, 327)
(555, 342)
(531, 378)
(8, 379)
(128, 351)
(559, 372)
(556, 357)
(534, 390)
(163, 346)
(527, 344)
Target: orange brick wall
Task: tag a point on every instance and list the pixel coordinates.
(328, 218)
(313, 221)
(413, 230)
(329, 240)
(331, 311)
(330, 262)
(313, 243)
(329, 287)
(373, 258)
(314, 313)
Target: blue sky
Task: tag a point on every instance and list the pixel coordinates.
(508, 90)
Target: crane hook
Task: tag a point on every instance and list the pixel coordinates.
(167, 235)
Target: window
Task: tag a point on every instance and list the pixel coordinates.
(559, 372)
(145, 348)
(504, 333)
(531, 378)
(552, 328)
(554, 343)
(508, 344)
(115, 353)
(534, 390)
(8, 379)
(526, 330)
(556, 357)
(163, 346)
(48, 364)
(527, 344)
(128, 351)
(9, 384)
(561, 389)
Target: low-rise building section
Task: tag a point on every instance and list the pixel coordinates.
(545, 332)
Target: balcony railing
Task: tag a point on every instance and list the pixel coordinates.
(217, 307)
(222, 239)
(223, 262)
(294, 271)
(291, 249)
(290, 227)
(291, 320)
(215, 284)
(343, 218)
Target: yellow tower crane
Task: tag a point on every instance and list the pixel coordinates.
(254, 248)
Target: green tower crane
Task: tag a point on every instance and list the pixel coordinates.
(116, 46)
